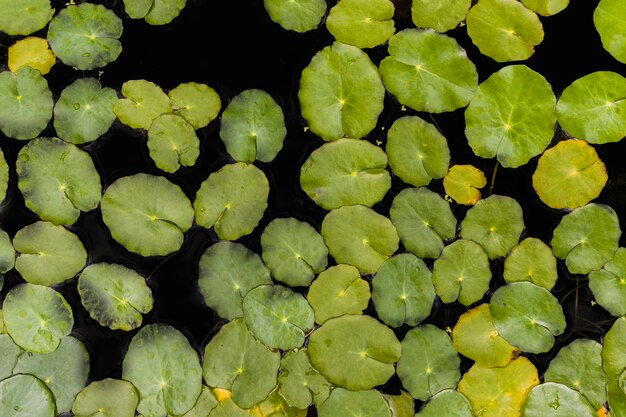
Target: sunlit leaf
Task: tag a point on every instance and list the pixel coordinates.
(546, 7)
(24, 17)
(26, 395)
(106, 398)
(31, 52)
(551, 399)
(531, 260)
(369, 403)
(297, 15)
(608, 19)
(362, 23)
(447, 403)
(299, 383)
(172, 143)
(197, 103)
(463, 183)
(155, 12)
(441, 15)
(143, 102)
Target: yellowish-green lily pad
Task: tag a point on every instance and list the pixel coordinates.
(463, 183)
(31, 52)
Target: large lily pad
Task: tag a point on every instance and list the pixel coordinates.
(447, 403)
(299, 383)
(297, 15)
(25, 16)
(531, 260)
(463, 183)
(197, 103)
(441, 15)
(143, 102)
(551, 399)
(608, 19)
(31, 52)
(172, 143)
(428, 71)
(26, 394)
(608, 284)
(107, 397)
(341, 93)
(155, 12)
(362, 23)
(342, 402)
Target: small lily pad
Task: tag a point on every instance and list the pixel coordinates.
(31, 52)
(143, 102)
(297, 15)
(197, 103)
(463, 183)
(299, 383)
(608, 284)
(367, 403)
(155, 12)
(24, 17)
(556, 400)
(546, 7)
(172, 143)
(447, 403)
(109, 397)
(531, 260)
(608, 19)
(442, 15)
(362, 23)
(27, 394)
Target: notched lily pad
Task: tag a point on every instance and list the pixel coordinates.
(109, 397)
(31, 52)
(155, 12)
(172, 143)
(531, 260)
(463, 183)
(297, 15)
(362, 23)
(299, 383)
(24, 17)
(143, 102)
(197, 103)
(441, 15)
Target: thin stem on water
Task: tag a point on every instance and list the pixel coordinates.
(493, 177)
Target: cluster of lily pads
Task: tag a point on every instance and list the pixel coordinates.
(312, 321)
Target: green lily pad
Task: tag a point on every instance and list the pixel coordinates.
(10, 353)
(369, 403)
(586, 238)
(58, 180)
(555, 400)
(512, 116)
(527, 316)
(608, 284)
(417, 151)
(401, 405)
(463, 183)
(240, 363)
(24, 17)
(164, 369)
(4, 177)
(253, 127)
(25, 103)
(613, 357)
(337, 291)
(106, 398)
(7, 254)
(197, 103)
(504, 30)
(114, 296)
(205, 404)
(476, 337)
(172, 143)
(84, 111)
(346, 172)
(155, 12)
(429, 363)
(227, 271)
(341, 93)
(423, 220)
(428, 71)
(143, 102)
(354, 351)
(495, 223)
(64, 371)
(293, 251)
(86, 36)
(278, 316)
(147, 214)
(531, 260)
(362, 23)
(358, 236)
(608, 19)
(26, 394)
(592, 107)
(447, 403)
(276, 406)
(33, 52)
(617, 399)
(232, 200)
(546, 7)
(36, 317)
(48, 254)
(296, 15)
(402, 290)
(442, 16)
(228, 408)
(299, 383)
(462, 273)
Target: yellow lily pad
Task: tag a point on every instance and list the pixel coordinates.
(31, 52)
(463, 183)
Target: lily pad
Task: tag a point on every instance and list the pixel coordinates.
(617, 398)
(58, 180)
(24, 17)
(147, 214)
(613, 357)
(253, 127)
(346, 172)
(402, 290)
(7, 255)
(293, 251)
(240, 363)
(155, 12)
(608, 19)
(297, 15)
(546, 7)
(463, 183)
(164, 369)
(197, 103)
(84, 111)
(462, 273)
(358, 236)
(36, 317)
(531, 260)
(341, 93)
(227, 271)
(143, 102)
(555, 400)
(228, 408)
(10, 353)
(355, 352)
(114, 296)
(172, 143)
(27, 394)
(442, 16)
(512, 116)
(278, 316)
(337, 291)
(299, 383)
(608, 284)
(429, 363)
(447, 403)
(48, 254)
(86, 36)
(428, 71)
(31, 52)
(205, 404)
(25, 103)
(586, 238)
(401, 405)
(232, 200)
(4, 177)
(368, 403)
(108, 397)
(527, 316)
(276, 406)
(362, 23)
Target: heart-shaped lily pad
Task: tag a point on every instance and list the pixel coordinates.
(143, 102)
(531, 260)
(608, 19)
(362, 23)
(197, 103)
(441, 15)
(108, 397)
(367, 403)
(172, 143)
(155, 12)
(27, 395)
(463, 183)
(31, 52)
(299, 383)
(608, 284)
(297, 15)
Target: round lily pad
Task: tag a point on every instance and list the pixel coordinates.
(114, 296)
(155, 12)
(253, 127)
(586, 238)
(299, 383)
(354, 351)
(417, 151)
(447, 403)
(442, 15)
(36, 317)
(25, 103)
(227, 271)
(297, 15)
(164, 369)
(172, 143)
(58, 180)
(31, 52)
(362, 23)
(463, 183)
(278, 316)
(358, 236)
(337, 291)
(25, 16)
(608, 19)
(402, 290)
(368, 403)
(197, 103)
(293, 251)
(428, 71)
(527, 316)
(555, 400)
(48, 254)
(546, 7)
(26, 395)
(232, 200)
(512, 116)
(84, 111)
(109, 397)
(346, 172)
(143, 102)
(608, 284)
(531, 260)
(240, 363)
(147, 214)
(341, 93)
(592, 107)
(86, 36)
